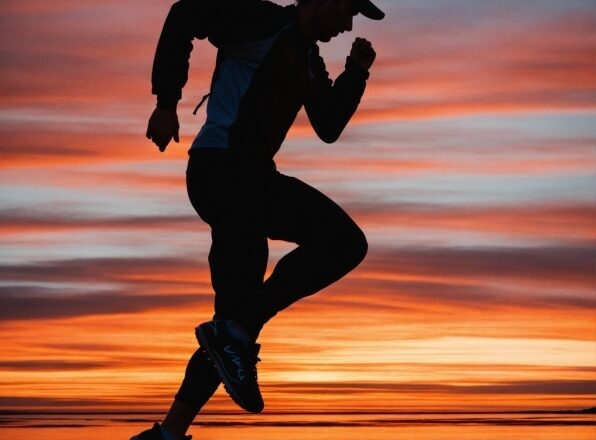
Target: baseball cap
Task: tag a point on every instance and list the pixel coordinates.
(368, 9)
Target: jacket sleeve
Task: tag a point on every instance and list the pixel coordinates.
(185, 21)
(223, 22)
(329, 105)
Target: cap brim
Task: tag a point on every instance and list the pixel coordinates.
(369, 10)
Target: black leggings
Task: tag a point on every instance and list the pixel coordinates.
(247, 202)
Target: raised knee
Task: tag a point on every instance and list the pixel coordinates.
(354, 247)
(360, 246)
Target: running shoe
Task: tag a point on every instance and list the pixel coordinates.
(235, 362)
(153, 434)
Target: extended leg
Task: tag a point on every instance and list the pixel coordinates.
(199, 384)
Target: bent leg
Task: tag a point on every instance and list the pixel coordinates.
(330, 246)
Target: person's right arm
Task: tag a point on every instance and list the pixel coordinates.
(185, 21)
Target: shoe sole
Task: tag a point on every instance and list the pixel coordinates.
(217, 363)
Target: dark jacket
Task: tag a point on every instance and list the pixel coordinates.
(289, 74)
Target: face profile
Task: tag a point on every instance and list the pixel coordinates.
(329, 18)
(333, 17)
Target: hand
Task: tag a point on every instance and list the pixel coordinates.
(163, 126)
(363, 53)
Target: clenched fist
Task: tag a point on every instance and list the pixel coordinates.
(363, 53)
(163, 126)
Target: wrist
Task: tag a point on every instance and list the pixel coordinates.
(356, 68)
(166, 103)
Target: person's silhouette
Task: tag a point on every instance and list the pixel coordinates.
(268, 67)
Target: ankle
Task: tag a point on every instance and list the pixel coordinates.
(238, 331)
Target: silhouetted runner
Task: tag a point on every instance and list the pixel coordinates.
(268, 66)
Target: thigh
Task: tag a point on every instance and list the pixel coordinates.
(299, 213)
(225, 191)
(229, 195)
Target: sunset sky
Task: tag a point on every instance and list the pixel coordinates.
(470, 165)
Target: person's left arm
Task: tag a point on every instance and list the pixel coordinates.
(330, 105)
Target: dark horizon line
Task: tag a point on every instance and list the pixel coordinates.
(590, 410)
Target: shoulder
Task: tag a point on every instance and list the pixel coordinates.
(248, 20)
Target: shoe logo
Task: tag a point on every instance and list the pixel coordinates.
(237, 361)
